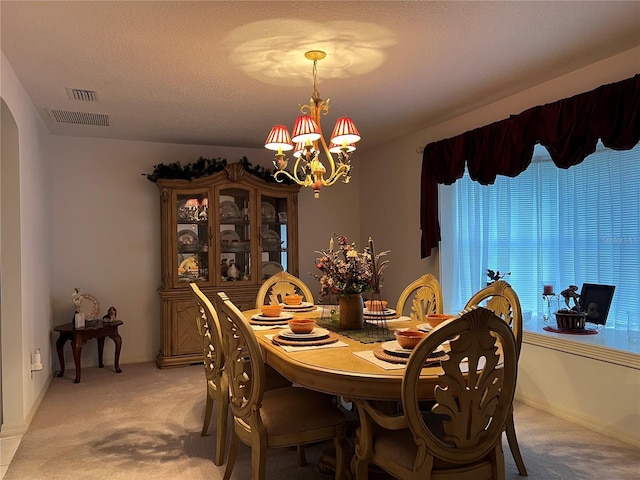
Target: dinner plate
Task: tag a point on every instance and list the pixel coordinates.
(301, 305)
(314, 334)
(393, 347)
(279, 318)
(387, 312)
(424, 327)
(268, 211)
(229, 210)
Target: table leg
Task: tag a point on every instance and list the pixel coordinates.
(100, 351)
(77, 351)
(62, 339)
(117, 339)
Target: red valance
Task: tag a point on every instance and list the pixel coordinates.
(569, 129)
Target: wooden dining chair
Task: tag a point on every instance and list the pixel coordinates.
(278, 286)
(426, 298)
(502, 299)
(281, 417)
(213, 358)
(460, 436)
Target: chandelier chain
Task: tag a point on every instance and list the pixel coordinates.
(315, 94)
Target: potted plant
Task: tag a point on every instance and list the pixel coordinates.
(571, 317)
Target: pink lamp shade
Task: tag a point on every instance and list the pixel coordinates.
(345, 132)
(279, 139)
(192, 202)
(305, 130)
(337, 148)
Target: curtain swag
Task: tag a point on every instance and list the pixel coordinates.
(569, 129)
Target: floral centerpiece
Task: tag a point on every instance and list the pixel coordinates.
(348, 273)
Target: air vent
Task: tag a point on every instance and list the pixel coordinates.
(80, 118)
(83, 95)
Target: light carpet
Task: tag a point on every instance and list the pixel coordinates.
(145, 424)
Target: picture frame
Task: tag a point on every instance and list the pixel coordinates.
(595, 300)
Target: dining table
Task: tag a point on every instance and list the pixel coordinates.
(347, 367)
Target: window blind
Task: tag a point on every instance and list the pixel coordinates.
(549, 226)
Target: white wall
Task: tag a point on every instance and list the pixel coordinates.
(27, 272)
(106, 234)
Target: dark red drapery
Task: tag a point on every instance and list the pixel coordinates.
(569, 129)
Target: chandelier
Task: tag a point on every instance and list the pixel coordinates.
(308, 170)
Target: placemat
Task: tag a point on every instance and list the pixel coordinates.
(571, 331)
(288, 348)
(380, 354)
(370, 357)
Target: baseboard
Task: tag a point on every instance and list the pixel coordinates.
(38, 400)
(626, 436)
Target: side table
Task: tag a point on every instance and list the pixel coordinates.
(79, 336)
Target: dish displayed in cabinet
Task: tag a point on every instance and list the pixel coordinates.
(269, 269)
(187, 241)
(270, 240)
(229, 211)
(268, 212)
(229, 238)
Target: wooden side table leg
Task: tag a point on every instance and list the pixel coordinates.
(100, 351)
(77, 351)
(62, 339)
(117, 339)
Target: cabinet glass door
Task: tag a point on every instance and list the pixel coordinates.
(234, 237)
(192, 236)
(274, 235)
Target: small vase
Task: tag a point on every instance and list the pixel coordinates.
(351, 312)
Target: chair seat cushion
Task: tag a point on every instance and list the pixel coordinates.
(400, 446)
(292, 410)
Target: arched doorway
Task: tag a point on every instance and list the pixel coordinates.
(11, 387)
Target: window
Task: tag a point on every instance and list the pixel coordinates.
(547, 226)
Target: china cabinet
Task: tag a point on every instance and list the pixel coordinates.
(227, 232)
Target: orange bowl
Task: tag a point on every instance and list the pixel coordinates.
(293, 299)
(375, 305)
(271, 310)
(437, 318)
(302, 325)
(409, 338)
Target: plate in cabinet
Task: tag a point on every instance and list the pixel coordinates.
(268, 212)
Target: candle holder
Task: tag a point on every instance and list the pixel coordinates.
(550, 305)
(376, 322)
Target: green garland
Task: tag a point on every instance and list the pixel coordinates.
(204, 167)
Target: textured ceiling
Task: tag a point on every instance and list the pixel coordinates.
(222, 73)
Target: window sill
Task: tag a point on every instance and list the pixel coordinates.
(608, 345)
